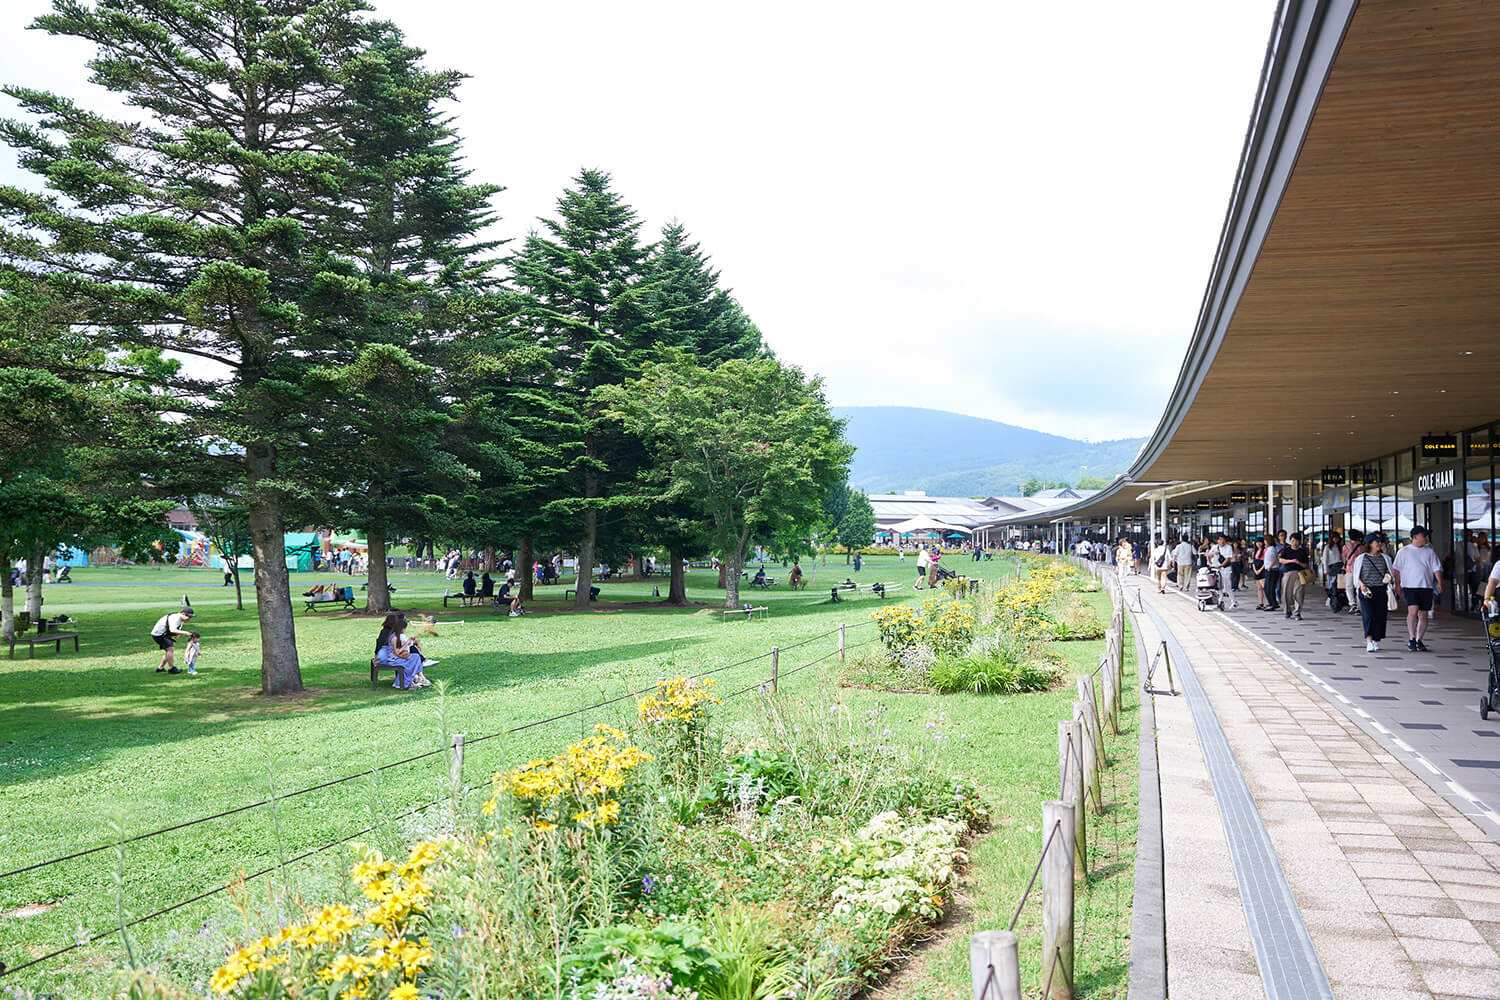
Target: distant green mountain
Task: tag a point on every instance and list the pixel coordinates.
(949, 454)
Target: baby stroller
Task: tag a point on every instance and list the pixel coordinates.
(944, 573)
(1490, 700)
(1208, 588)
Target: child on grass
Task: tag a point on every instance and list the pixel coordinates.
(191, 653)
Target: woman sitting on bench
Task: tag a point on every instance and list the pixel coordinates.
(393, 649)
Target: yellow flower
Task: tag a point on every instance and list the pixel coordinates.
(406, 991)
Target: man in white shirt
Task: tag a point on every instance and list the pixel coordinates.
(165, 632)
(1220, 556)
(924, 558)
(1419, 574)
(1184, 554)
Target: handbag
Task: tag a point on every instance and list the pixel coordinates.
(1308, 575)
(1392, 602)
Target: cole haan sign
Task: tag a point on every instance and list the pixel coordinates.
(1438, 480)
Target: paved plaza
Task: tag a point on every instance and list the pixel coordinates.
(1305, 856)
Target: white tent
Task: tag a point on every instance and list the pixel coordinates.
(924, 525)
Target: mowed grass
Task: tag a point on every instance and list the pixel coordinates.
(97, 737)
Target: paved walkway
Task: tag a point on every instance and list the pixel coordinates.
(1392, 888)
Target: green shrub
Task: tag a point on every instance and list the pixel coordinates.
(994, 672)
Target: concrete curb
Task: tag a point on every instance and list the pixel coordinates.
(1148, 913)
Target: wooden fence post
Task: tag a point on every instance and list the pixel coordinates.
(456, 771)
(1111, 694)
(1057, 898)
(1091, 754)
(775, 667)
(995, 965)
(1070, 749)
(842, 627)
(1087, 696)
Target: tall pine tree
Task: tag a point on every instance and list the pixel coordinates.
(210, 229)
(581, 298)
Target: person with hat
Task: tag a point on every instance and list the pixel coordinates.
(165, 632)
(1419, 574)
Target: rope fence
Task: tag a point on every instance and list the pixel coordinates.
(994, 956)
(457, 746)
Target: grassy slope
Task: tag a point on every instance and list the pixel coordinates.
(97, 735)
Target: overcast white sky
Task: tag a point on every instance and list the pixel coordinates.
(1006, 209)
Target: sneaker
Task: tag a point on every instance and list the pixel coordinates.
(192, 671)
(1370, 646)
(515, 614)
(422, 681)
(427, 663)
(1297, 617)
(1411, 644)
(1374, 647)
(1421, 646)
(175, 670)
(161, 670)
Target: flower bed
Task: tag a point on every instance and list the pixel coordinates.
(999, 644)
(790, 854)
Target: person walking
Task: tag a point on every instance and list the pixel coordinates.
(1331, 558)
(1221, 560)
(1270, 560)
(1161, 555)
(1419, 574)
(1124, 558)
(1294, 559)
(1184, 554)
(924, 559)
(1372, 570)
(1258, 570)
(1353, 546)
(165, 632)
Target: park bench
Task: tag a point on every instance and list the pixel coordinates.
(56, 638)
(343, 597)
(465, 600)
(568, 593)
(749, 613)
(375, 668)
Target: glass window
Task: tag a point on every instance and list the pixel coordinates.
(1404, 464)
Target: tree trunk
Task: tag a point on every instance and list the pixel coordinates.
(279, 670)
(677, 585)
(377, 593)
(489, 559)
(525, 575)
(723, 571)
(640, 568)
(586, 559)
(848, 554)
(239, 596)
(7, 603)
(734, 565)
(34, 582)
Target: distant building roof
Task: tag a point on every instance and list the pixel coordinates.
(892, 508)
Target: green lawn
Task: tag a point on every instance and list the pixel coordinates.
(97, 737)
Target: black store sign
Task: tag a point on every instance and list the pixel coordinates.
(1445, 483)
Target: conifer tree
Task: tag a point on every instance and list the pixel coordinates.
(581, 299)
(211, 228)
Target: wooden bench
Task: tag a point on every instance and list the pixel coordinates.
(56, 638)
(749, 613)
(465, 600)
(568, 594)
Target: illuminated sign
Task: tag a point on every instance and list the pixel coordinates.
(1237, 498)
(1333, 477)
(1440, 446)
(1204, 504)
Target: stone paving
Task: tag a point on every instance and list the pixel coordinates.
(1423, 707)
(1399, 891)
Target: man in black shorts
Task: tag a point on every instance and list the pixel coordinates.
(165, 632)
